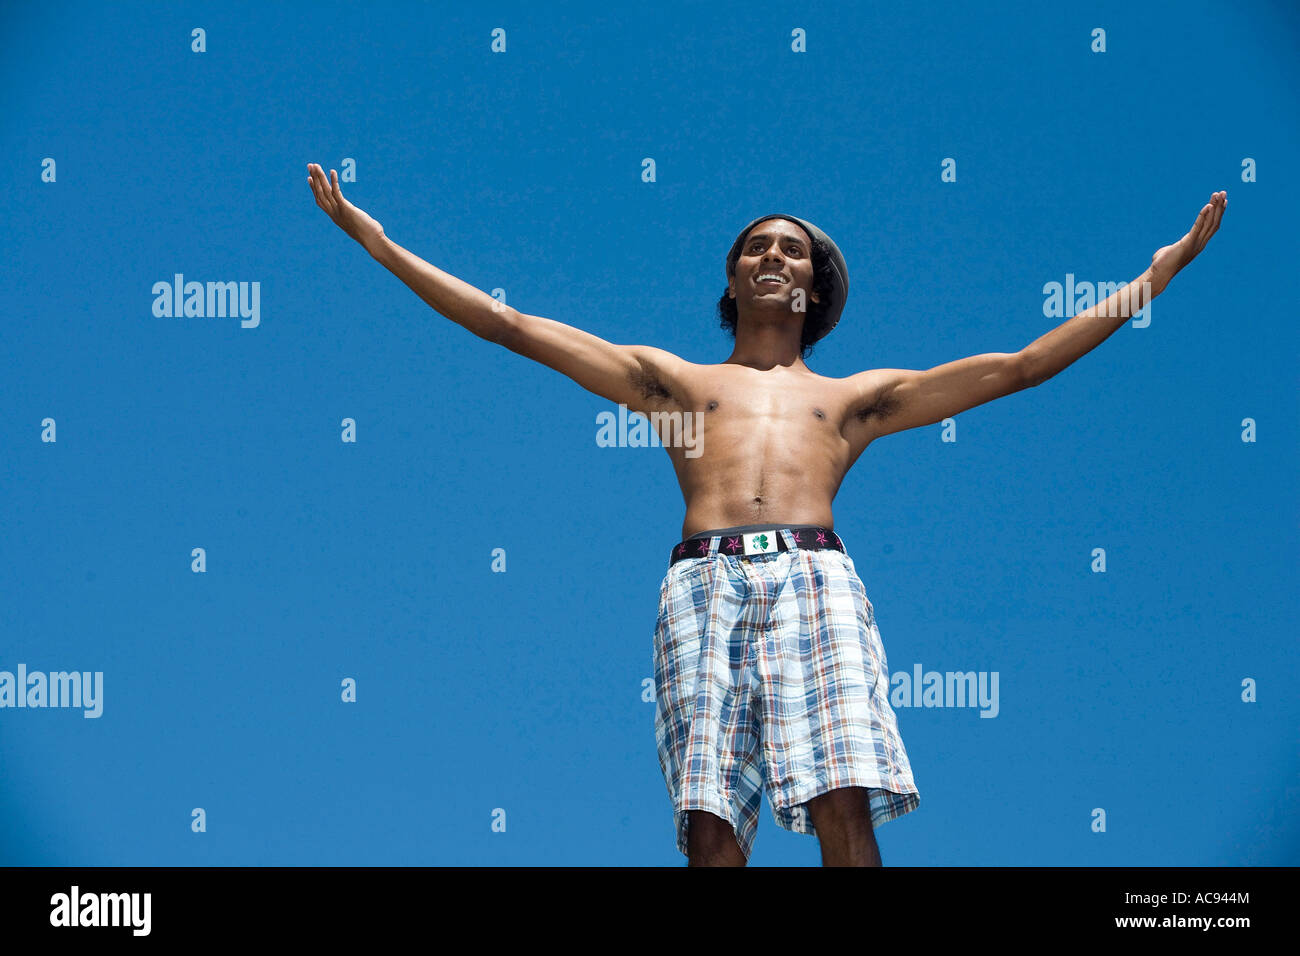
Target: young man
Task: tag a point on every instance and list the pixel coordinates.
(769, 667)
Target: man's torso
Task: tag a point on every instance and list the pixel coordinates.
(773, 445)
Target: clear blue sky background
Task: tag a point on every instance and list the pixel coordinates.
(522, 171)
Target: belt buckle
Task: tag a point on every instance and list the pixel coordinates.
(761, 542)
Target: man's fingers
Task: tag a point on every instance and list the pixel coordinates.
(321, 189)
(1212, 210)
(1198, 230)
(315, 186)
(1218, 213)
(1204, 222)
(325, 190)
(1212, 221)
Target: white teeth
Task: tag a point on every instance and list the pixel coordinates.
(772, 275)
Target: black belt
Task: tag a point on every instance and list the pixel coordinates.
(750, 540)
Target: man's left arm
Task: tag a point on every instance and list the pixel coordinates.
(1049, 354)
(892, 400)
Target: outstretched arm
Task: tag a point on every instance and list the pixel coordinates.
(889, 400)
(1049, 354)
(637, 376)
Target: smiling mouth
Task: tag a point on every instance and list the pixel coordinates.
(771, 278)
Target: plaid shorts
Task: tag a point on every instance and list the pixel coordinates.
(770, 668)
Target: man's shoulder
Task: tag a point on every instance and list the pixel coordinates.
(662, 357)
(867, 375)
(857, 383)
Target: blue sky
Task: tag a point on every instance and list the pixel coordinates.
(521, 171)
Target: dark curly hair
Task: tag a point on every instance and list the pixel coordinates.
(815, 319)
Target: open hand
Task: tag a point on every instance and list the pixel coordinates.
(355, 222)
(1168, 260)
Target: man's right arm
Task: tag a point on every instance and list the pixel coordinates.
(637, 376)
(640, 377)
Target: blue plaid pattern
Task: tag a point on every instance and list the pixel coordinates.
(770, 669)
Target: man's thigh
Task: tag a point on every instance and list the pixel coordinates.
(712, 839)
(842, 808)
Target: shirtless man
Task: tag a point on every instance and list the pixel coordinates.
(768, 662)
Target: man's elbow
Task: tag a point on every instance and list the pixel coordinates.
(502, 328)
(1028, 371)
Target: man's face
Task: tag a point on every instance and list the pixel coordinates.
(774, 247)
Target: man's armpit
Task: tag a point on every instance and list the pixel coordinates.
(878, 410)
(875, 401)
(650, 384)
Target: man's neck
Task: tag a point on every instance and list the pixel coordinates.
(767, 347)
